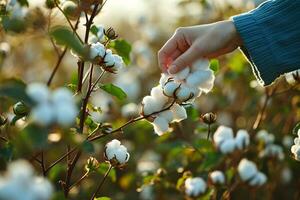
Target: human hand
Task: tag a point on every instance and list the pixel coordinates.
(203, 41)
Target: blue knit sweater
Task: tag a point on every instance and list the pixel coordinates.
(271, 38)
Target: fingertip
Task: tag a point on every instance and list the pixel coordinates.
(173, 69)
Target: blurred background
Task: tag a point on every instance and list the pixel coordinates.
(157, 163)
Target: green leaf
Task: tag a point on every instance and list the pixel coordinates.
(64, 36)
(102, 198)
(15, 89)
(23, 3)
(94, 30)
(211, 160)
(88, 147)
(123, 48)
(6, 152)
(214, 65)
(192, 113)
(114, 90)
(204, 145)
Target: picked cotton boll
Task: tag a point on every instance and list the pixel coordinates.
(62, 95)
(183, 74)
(38, 92)
(97, 49)
(160, 125)
(170, 88)
(195, 186)
(222, 133)
(242, 139)
(258, 180)
(227, 146)
(217, 177)
(116, 153)
(130, 110)
(179, 112)
(201, 64)
(65, 113)
(109, 59)
(43, 113)
(247, 169)
(151, 105)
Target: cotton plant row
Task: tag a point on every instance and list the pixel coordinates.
(19, 182)
(225, 141)
(270, 149)
(165, 103)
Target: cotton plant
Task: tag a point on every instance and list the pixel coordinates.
(19, 182)
(195, 187)
(130, 110)
(225, 141)
(249, 173)
(295, 149)
(116, 153)
(269, 149)
(58, 106)
(164, 105)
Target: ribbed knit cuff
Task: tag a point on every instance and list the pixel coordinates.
(259, 51)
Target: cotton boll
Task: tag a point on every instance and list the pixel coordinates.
(157, 93)
(38, 92)
(92, 39)
(295, 149)
(109, 59)
(151, 105)
(163, 79)
(179, 112)
(170, 88)
(217, 177)
(287, 141)
(265, 137)
(62, 95)
(201, 64)
(227, 146)
(194, 186)
(160, 125)
(258, 180)
(100, 32)
(208, 85)
(97, 49)
(222, 133)
(114, 150)
(247, 169)
(65, 114)
(272, 150)
(199, 78)
(242, 139)
(42, 188)
(167, 114)
(20, 170)
(129, 110)
(43, 113)
(185, 93)
(182, 74)
(118, 62)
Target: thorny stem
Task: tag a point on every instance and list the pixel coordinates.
(101, 183)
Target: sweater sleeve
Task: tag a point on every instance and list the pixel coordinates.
(271, 38)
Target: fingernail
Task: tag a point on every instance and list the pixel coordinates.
(172, 69)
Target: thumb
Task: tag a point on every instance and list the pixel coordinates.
(185, 59)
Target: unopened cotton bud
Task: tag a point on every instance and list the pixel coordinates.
(20, 109)
(247, 169)
(116, 153)
(160, 125)
(195, 186)
(217, 177)
(222, 133)
(242, 139)
(109, 59)
(170, 88)
(209, 118)
(182, 74)
(201, 64)
(179, 112)
(43, 113)
(38, 92)
(227, 146)
(258, 180)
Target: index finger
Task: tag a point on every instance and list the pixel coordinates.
(165, 54)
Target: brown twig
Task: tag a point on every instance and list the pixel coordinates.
(101, 183)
